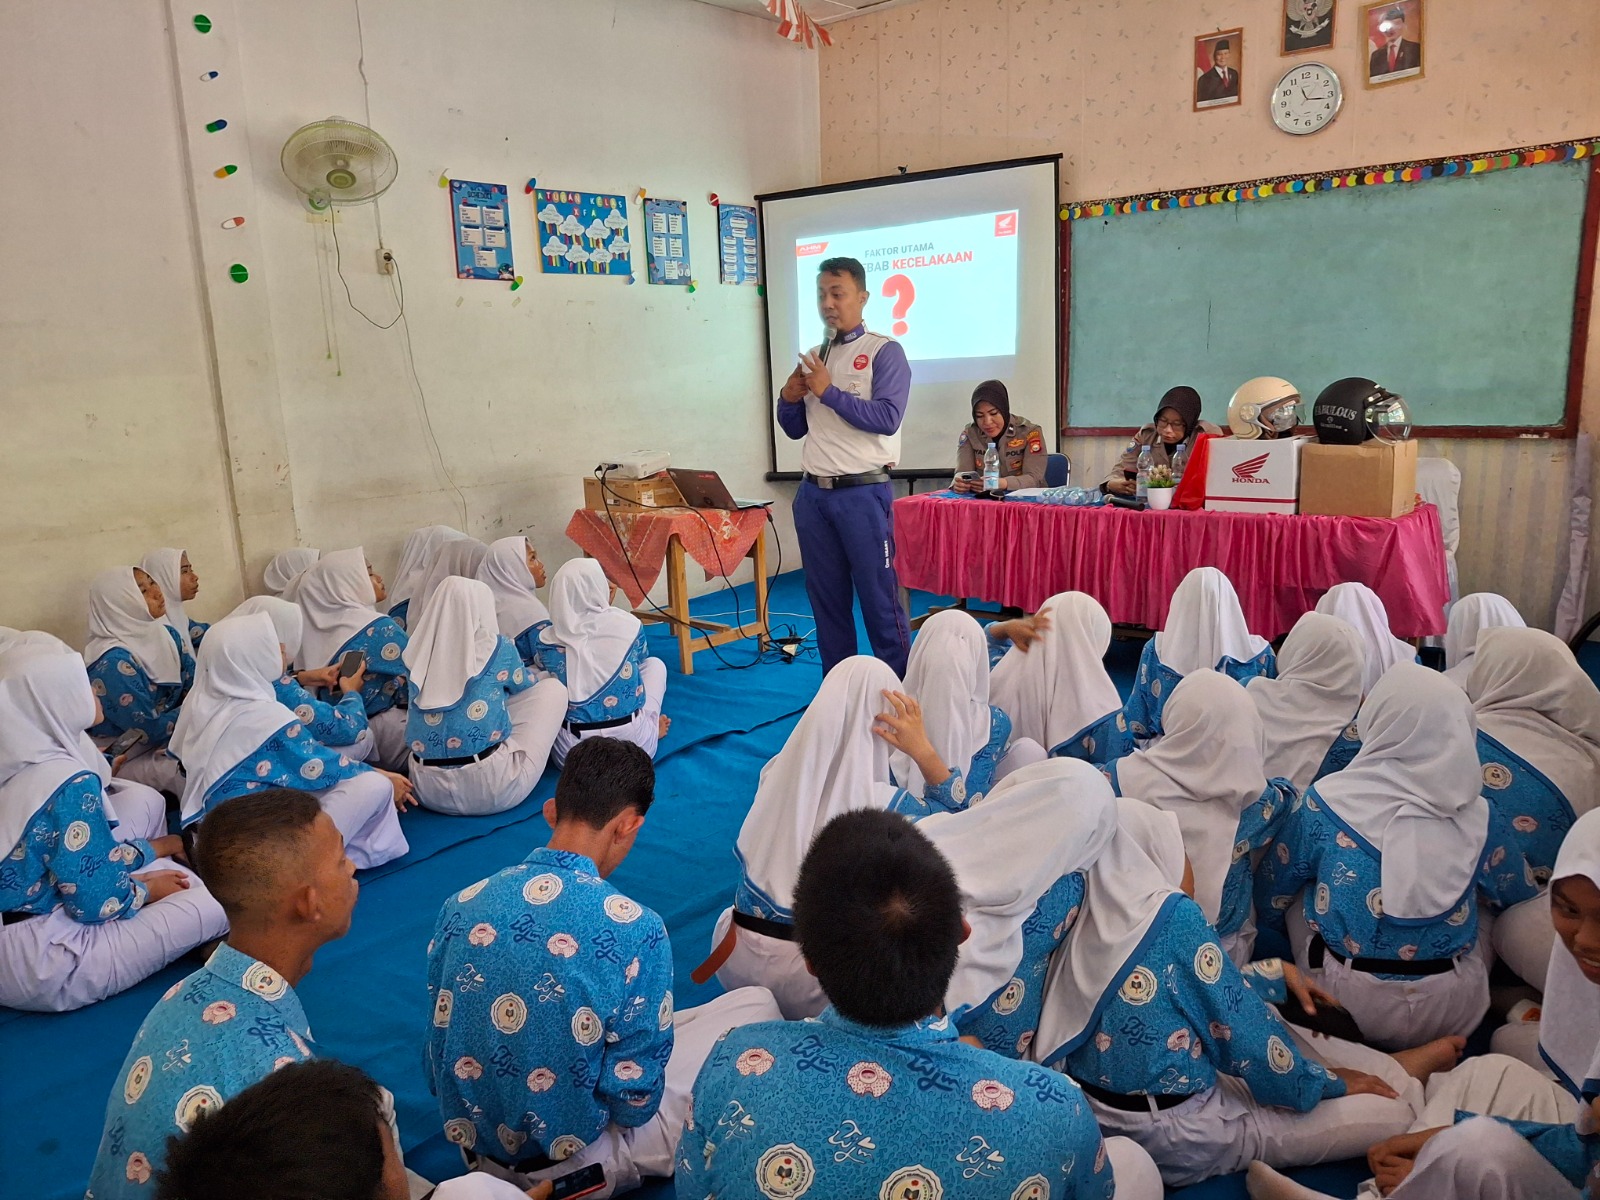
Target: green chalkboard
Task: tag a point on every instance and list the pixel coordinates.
(1456, 293)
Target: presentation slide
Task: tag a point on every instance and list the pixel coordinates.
(961, 269)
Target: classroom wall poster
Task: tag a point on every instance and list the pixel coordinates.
(666, 226)
(582, 233)
(483, 235)
(736, 235)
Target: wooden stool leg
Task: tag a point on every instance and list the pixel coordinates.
(759, 553)
(678, 603)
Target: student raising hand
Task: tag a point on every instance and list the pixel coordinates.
(902, 728)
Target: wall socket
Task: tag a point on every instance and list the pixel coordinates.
(385, 262)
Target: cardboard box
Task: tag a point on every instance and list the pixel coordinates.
(1377, 479)
(1261, 476)
(655, 491)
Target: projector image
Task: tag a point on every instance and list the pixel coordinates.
(638, 464)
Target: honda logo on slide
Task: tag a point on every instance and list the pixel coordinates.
(1005, 224)
(1245, 472)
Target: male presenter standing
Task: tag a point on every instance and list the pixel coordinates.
(847, 398)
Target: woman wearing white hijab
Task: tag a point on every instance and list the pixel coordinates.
(1549, 1152)
(1205, 630)
(1179, 1051)
(416, 555)
(282, 576)
(340, 726)
(835, 761)
(1359, 607)
(179, 584)
(338, 596)
(479, 728)
(614, 689)
(1057, 692)
(1469, 617)
(1019, 857)
(514, 574)
(1208, 770)
(1393, 855)
(235, 738)
(1538, 716)
(141, 670)
(460, 555)
(89, 911)
(1308, 710)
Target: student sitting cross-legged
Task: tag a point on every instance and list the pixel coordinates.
(878, 1096)
(276, 863)
(554, 1044)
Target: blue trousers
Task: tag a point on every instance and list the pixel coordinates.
(847, 540)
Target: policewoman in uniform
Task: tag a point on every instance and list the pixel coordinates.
(847, 398)
(1177, 420)
(1019, 441)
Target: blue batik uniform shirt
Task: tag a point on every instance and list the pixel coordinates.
(1155, 681)
(230, 1024)
(339, 724)
(479, 719)
(552, 1010)
(130, 699)
(830, 1108)
(290, 758)
(67, 856)
(623, 694)
(1534, 808)
(383, 642)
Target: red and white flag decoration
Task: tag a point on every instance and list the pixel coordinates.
(796, 25)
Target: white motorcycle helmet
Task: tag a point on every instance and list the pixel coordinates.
(1264, 407)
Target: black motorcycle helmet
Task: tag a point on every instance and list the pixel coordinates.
(1354, 410)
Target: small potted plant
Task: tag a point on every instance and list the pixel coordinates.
(1160, 488)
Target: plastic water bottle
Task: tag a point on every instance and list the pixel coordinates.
(1147, 458)
(1180, 460)
(991, 469)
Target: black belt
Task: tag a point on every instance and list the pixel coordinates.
(522, 1166)
(781, 930)
(591, 726)
(1133, 1104)
(457, 762)
(1378, 966)
(843, 481)
(16, 918)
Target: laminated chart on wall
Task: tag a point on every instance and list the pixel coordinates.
(582, 233)
(736, 235)
(483, 233)
(666, 227)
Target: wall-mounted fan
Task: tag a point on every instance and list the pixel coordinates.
(338, 162)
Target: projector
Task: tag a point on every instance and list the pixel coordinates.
(638, 464)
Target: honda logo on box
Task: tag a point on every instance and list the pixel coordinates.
(1245, 472)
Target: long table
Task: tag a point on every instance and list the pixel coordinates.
(1017, 553)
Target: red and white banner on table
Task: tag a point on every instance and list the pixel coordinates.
(796, 25)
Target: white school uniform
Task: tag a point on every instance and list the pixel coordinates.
(285, 569)
(1469, 617)
(1358, 606)
(1321, 679)
(1060, 686)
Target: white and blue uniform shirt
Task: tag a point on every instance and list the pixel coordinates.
(477, 721)
(68, 858)
(337, 724)
(290, 758)
(871, 384)
(1155, 681)
(130, 699)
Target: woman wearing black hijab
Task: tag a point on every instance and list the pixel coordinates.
(1019, 441)
(1177, 420)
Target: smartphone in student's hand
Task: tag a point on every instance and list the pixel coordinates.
(582, 1182)
(125, 743)
(351, 663)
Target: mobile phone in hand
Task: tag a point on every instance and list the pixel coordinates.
(125, 743)
(351, 663)
(580, 1183)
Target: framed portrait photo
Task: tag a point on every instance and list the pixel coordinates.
(1394, 45)
(1307, 25)
(1218, 60)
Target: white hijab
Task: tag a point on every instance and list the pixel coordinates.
(45, 706)
(461, 555)
(1205, 625)
(165, 566)
(337, 598)
(452, 643)
(948, 675)
(1569, 1030)
(596, 636)
(832, 763)
(1470, 616)
(231, 710)
(516, 599)
(1359, 607)
(1125, 891)
(1530, 695)
(16, 646)
(283, 572)
(1205, 771)
(1413, 791)
(118, 616)
(1040, 823)
(287, 619)
(1321, 672)
(1060, 686)
(416, 554)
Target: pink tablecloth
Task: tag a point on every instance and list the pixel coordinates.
(1021, 554)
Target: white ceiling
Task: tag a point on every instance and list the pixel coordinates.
(823, 12)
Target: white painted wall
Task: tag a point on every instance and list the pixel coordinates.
(113, 438)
